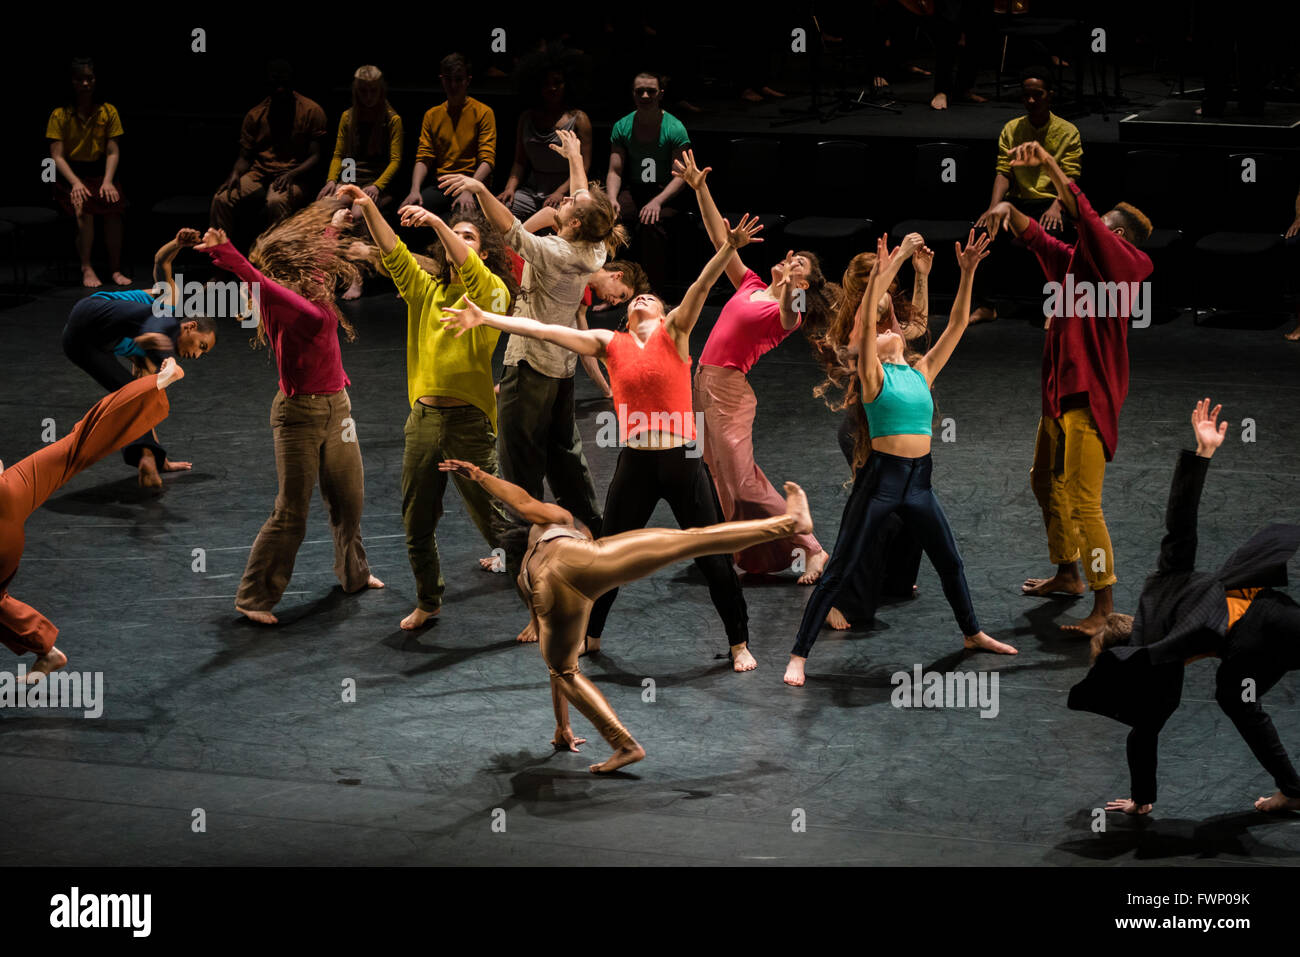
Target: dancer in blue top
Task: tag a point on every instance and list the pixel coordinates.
(896, 478)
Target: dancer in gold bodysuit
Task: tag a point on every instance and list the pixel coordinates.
(565, 570)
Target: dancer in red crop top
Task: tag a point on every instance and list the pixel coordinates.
(754, 321)
(650, 374)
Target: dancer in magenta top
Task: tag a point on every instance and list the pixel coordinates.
(315, 435)
(755, 320)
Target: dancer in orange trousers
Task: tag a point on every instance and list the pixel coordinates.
(111, 424)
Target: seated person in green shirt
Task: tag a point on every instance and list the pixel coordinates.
(1029, 188)
(449, 379)
(640, 181)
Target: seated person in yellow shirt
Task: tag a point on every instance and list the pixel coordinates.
(449, 379)
(1029, 188)
(456, 137)
(370, 137)
(83, 139)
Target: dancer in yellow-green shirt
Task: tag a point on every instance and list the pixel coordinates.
(449, 380)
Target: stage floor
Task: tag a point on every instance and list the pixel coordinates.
(450, 727)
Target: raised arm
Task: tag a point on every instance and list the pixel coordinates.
(1178, 547)
(922, 260)
(380, 231)
(511, 496)
(162, 263)
(570, 147)
(694, 177)
(1033, 154)
(682, 319)
(590, 342)
(454, 184)
(959, 318)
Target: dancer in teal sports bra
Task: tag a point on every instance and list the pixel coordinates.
(896, 477)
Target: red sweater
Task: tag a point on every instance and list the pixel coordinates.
(1087, 356)
(303, 334)
(651, 385)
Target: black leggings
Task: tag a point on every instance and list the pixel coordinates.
(1263, 646)
(81, 338)
(887, 485)
(643, 477)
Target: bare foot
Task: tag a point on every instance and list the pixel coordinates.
(741, 659)
(261, 617)
(983, 314)
(147, 471)
(1294, 334)
(121, 280)
(794, 675)
(970, 96)
(527, 635)
(1094, 624)
(1058, 584)
(418, 619)
(775, 94)
(939, 101)
(988, 643)
(1277, 802)
(796, 505)
(835, 618)
(751, 96)
(813, 571)
(590, 646)
(353, 291)
(52, 660)
(374, 583)
(89, 279)
(170, 373)
(493, 563)
(628, 754)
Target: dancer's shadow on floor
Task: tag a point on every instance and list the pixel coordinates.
(124, 499)
(1153, 839)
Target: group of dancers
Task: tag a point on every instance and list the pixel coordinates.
(486, 273)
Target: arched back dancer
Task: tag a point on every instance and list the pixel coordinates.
(566, 570)
(899, 409)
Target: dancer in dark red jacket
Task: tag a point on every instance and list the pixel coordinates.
(1094, 287)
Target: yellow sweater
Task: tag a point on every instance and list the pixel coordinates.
(1059, 137)
(438, 363)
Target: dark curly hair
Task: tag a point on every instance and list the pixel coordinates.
(492, 250)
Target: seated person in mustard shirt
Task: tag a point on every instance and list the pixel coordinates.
(83, 139)
(456, 137)
(278, 145)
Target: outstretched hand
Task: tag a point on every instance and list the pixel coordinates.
(351, 193)
(187, 237)
(686, 170)
(463, 319)
(746, 231)
(570, 147)
(454, 184)
(1029, 154)
(1128, 806)
(922, 260)
(212, 238)
(976, 249)
(467, 469)
(417, 216)
(1209, 431)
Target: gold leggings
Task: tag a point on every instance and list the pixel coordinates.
(569, 574)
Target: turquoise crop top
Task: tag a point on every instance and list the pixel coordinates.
(904, 406)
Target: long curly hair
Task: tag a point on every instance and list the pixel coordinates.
(841, 388)
(308, 255)
(821, 300)
(492, 250)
